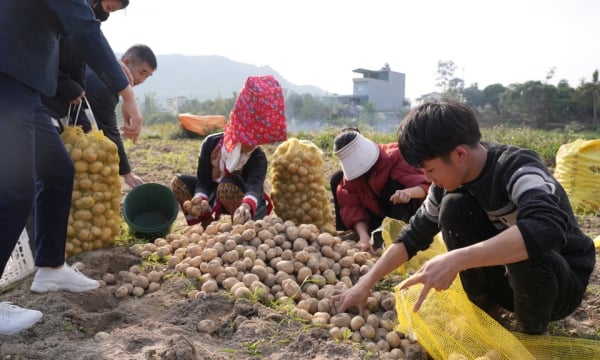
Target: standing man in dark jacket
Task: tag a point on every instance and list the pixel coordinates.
(32, 150)
(140, 62)
(71, 76)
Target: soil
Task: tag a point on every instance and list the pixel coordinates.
(169, 324)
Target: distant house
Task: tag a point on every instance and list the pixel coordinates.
(434, 96)
(384, 88)
(172, 104)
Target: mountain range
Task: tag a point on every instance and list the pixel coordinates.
(205, 77)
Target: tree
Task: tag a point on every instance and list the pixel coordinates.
(595, 92)
(150, 104)
(452, 86)
(445, 72)
(491, 95)
(586, 99)
(473, 96)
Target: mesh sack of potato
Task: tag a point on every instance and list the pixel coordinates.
(391, 229)
(95, 213)
(298, 185)
(449, 326)
(578, 172)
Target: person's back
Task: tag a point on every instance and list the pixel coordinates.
(71, 81)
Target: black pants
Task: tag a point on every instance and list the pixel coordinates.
(397, 211)
(537, 290)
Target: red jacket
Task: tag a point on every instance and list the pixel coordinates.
(356, 197)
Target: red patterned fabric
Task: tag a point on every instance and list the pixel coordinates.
(258, 116)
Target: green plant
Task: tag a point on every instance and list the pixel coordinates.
(253, 347)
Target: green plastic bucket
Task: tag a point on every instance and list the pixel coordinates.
(150, 209)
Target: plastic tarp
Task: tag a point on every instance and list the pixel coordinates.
(202, 124)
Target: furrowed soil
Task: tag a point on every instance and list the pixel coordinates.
(171, 324)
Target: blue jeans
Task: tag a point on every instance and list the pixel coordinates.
(34, 167)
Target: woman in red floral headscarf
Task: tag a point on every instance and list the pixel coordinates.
(232, 167)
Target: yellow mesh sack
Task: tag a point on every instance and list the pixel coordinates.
(298, 181)
(95, 212)
(578, 171)
(391, 230)
(449, 326)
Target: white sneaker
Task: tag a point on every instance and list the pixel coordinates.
(65, 278)
(14, 319)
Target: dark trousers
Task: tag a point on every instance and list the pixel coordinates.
(396, 211)
(537, 290)
(34, 167)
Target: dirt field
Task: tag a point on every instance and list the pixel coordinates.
(171, 324)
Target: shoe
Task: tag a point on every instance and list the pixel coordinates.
(14, 319)
(65, 278)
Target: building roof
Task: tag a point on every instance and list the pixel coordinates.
(374, 74)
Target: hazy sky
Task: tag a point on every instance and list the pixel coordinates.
(320, 42)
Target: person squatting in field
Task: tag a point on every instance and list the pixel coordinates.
(509, 228)
(375, 182)
(232, 166)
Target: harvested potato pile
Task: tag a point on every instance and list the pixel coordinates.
(275, 262)
(298, 181)
(95, 215)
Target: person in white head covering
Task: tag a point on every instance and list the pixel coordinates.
(375, 182)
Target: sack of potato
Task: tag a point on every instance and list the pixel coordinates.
(298, 182)
(95, 214)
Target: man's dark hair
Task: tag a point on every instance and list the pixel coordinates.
(434, 129)
(141, 53)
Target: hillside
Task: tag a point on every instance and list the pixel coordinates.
(207, 77)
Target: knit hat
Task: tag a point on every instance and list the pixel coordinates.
(357, 157)
(258, 116)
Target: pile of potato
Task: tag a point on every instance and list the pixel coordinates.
(272, 260)
(95, 214)
(298, 181)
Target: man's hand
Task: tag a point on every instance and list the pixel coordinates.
(242, 214)
(437, 273)
(355, 296)
(133, 180)
(132, 125)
